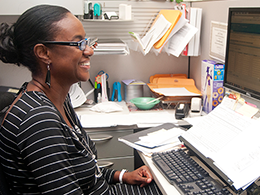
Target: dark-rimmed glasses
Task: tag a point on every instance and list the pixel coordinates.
(81, 44)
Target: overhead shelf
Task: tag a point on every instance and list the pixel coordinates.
(111, 47)
(105, 20)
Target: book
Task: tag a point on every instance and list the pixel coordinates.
(197, 36)
(195, 15)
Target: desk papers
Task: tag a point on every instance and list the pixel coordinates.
(146, 118)
(231, 141)
(139, 140)
(160, 138)
(178, 91)
(156, 32)
(181, 39)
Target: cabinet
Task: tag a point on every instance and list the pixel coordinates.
(111, 152)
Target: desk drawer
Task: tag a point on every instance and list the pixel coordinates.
(108, 146)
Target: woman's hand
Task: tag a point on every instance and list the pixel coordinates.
(141, 176)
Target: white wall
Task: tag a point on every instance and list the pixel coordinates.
(135, 65)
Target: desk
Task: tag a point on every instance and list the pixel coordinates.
(141, 118)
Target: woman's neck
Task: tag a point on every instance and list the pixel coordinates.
(55, 93)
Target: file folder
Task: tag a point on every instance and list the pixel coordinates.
(172, 16)
(173, 81)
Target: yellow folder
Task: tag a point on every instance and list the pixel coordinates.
(172, 16)
(173, 81)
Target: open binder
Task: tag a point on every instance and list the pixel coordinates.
(228, 144)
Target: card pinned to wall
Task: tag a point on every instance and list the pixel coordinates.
(218, 39)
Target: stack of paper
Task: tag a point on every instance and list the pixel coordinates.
(111, 46)
(160, 138)
(157, 31)
(155, 139)
(170, 31)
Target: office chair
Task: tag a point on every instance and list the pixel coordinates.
(6, 100)
(4, 190)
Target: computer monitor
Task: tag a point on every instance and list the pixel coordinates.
(242, 62)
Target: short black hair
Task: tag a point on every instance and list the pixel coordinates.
(35, 25)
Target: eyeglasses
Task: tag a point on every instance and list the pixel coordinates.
(81, 44)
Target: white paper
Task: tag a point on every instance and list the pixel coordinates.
(160, 137)
(175, 91)
(181, 22)
(155, 33)
(179, 41)
(146, 118)
(231, 141)
(150, 151)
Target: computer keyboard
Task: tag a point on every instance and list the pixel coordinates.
(186, 174)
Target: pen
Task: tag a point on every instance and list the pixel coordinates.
(93, 42)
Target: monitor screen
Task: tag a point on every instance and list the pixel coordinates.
(242, 62)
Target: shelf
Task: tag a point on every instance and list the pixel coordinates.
(111, 46)
(99, 20)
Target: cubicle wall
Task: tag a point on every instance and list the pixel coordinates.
(215, 11)
(135, 65)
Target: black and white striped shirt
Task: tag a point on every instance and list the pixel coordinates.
(41, 154)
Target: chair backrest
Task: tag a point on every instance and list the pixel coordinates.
(6, 99)
(4, 190)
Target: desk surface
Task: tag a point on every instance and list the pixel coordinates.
(141, 118)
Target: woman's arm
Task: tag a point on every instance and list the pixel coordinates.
(141, 176)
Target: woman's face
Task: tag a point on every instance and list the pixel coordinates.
(68, 63)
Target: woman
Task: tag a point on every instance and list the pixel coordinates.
(44, 149)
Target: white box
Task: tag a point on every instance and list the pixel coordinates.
(125, 12)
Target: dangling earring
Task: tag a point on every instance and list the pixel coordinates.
(48, 76)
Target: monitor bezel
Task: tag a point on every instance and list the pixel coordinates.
(247, 92)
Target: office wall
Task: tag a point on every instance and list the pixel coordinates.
(213, 11)
(135, 65)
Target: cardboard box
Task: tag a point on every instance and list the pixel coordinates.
(212, 77)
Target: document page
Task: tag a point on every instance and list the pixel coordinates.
(179, 41)
(181, 22)
(226, 137)
(156, 32)
(175, 91)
